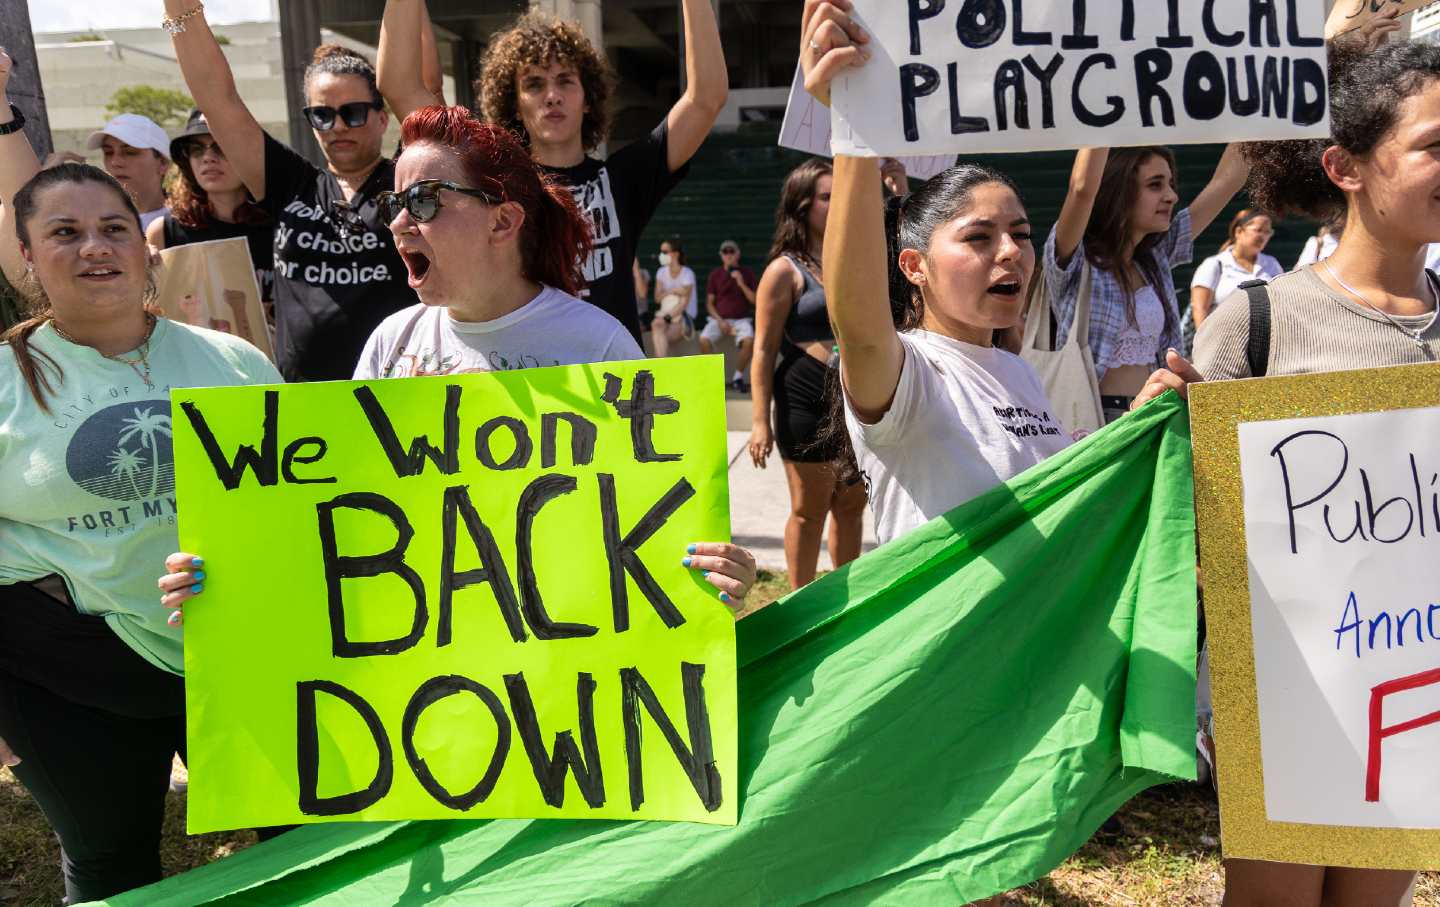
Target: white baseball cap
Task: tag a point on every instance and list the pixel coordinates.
(135, 131)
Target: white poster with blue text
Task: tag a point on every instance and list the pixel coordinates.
(974, 76)
(1342, 528)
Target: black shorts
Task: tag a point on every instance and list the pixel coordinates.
(801, 408)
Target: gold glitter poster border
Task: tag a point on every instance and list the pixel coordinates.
(1216, 411)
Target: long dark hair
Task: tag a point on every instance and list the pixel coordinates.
(1108, 233)
(555, 237)
(30, 361)
(910, 223)
(190, 203)
(792, 217)
(1366, 93)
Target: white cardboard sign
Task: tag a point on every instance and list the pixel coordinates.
(974, 76)
(1342, 525)
(807, 128)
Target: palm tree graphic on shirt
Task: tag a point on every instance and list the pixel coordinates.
(147, 426)
(124, 465)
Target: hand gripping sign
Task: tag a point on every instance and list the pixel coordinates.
(975, 76)
(1318, 500)
(458, 597)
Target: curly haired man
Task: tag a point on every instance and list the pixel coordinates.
(543, 78)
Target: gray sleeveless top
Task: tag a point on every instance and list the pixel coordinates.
(809, 320)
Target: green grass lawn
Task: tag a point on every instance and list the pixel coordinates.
(1165, 851)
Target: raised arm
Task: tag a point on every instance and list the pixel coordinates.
(18, 164)
(1230, 176)
(858, 294)
(212, 85)
(433, 74)
(1085, 178)
(707, 84)
(403, 58)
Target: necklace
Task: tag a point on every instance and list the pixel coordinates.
(1414, 336)
(140, 365)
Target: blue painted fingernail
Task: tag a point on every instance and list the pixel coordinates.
(689, 549)
(704, 572)
(725, 597)
(196, 561)
(198, 588)
(685, 562)
(174, 620)
(199, 575)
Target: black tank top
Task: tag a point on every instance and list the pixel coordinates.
(261, 239)
(809, 320)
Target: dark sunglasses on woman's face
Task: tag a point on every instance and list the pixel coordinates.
(354, 114)
(422, 199)
(195, 150)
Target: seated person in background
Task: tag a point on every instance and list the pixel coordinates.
(730, 300)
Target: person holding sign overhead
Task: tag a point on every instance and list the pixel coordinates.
(91, 704)
(935, 413)
(1370, 304)
(505, 302)
(337, 274)
(1120, 222)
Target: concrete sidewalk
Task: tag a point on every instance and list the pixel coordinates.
(760, 503)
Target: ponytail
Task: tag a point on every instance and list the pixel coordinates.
(554, 249)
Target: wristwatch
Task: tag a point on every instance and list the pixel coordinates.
(14, 125)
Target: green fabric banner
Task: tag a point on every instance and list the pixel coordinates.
(949, 717)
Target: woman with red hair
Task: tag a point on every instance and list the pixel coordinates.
(493, 249)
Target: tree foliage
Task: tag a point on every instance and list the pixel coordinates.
(165, 106)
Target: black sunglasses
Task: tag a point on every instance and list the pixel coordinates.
(354, 114)
(197, 149)
(422, 199)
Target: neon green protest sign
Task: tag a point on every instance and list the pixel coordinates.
(457, 597)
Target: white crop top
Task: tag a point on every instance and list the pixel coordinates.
(1139, 341)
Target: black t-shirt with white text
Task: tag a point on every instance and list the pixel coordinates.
(337, 274)
(619, 195)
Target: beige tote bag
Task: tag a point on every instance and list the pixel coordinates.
(1067, 374)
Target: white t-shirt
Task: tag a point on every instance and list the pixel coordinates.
(1317, 249)
(667, 284)
(554, 328)
(1222, 274)
(965, 418)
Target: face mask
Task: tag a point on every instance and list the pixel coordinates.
(664, 258)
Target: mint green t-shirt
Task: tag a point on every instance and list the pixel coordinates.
(87, 490)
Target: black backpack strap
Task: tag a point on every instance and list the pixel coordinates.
(1257, 351)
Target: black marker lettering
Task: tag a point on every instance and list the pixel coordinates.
(698, 759)
(920, 10)
(1025, 38)
(392, 560)
(1173, 39)
(961, 125)
(1152, 67)
(412, 463)
(916, 81)
(431, 692)
(981, 23)
(1046, 77)
(1204, 87)
(1292, 29)
(535, 496)
(1086, 115)
(264, 462)
(294, 455)
(307, 752)
(623, 557)
(1077, 39)
(518, 459)
(1275, 87)
(1247, 105)
(1011, 76)
(1262, 16)
(491, 570)
(641, 409)
(1309, 79)
(582, 439)
(550, 770)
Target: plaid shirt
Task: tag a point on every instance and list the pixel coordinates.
(1109, 308)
